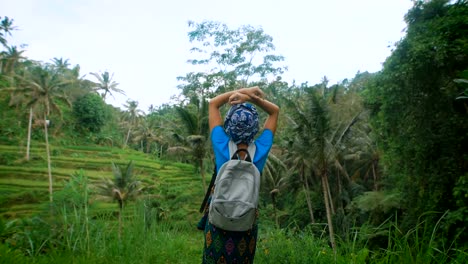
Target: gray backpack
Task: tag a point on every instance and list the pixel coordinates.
(235, 198)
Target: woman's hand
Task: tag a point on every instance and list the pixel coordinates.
(253, 92)
(238, 98)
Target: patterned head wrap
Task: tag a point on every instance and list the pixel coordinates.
(241, 123)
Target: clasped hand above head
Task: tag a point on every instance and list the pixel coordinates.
(246, 94)
(250, 94)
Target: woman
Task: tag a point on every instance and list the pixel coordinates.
(240, 126)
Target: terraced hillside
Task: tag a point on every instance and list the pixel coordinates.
(176, 187)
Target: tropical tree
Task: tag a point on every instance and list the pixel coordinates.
(106, 84)
(298, 159)
(9, 59)
(194, 133)
(146, 134)
(275, 179)
(43, 89)
(122, 188)
(90, 112)
(413, 103)
(297, 143)
(131, 116)
(365, 161)
(320, 141)
(6, 26)
(60, 64)
(312, 129)
(229, 58)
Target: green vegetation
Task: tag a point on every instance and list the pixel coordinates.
(373, 169)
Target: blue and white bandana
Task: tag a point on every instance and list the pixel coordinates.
(241, 123)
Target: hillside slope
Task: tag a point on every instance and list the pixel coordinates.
(176, 187)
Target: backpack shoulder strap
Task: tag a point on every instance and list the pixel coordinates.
(233, 149)
(208, 191)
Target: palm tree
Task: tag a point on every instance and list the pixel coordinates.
(80, 86)
(6, 26)
(298, 157)
(123, 187)
(319, 128)
(365, 158)
(60, 64)
(9, 59)
(274, 179)
(322, 138)
(106, 84)
(44, 89)
(132, 117)
(195, 126)
(147, 134)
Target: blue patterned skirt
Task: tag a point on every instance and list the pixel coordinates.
(223, 246)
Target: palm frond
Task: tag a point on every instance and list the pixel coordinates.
(189, 121)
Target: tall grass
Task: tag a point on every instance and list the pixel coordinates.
(71, 236)
(148, 240)
(420, 245)
(163, 231)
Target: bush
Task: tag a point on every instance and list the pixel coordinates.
(90, 112)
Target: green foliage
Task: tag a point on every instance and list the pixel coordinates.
(7, 229)
(111, 134)
(461, 101)
(72, 205)
(106, 84)
(278, 246)
(9, 255)
(418, 245)
(380, 205)
(6, 26)
(90, 112)
(11, 127)
(457, 219)
(167, 242)
(229, 58)
(422, 136)
(75, 192)
(123, 187)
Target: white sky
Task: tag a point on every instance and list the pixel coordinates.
(145, 43)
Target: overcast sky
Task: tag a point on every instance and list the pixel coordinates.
(145, 44)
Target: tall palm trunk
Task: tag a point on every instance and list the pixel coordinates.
(327, 207)
(374, 174)
(340, 190)
(148, 146)
(307, 194)
(332, 206)
(127, 138)
(48, 158)
(29, 133)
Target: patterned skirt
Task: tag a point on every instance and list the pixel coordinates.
(223, 246)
